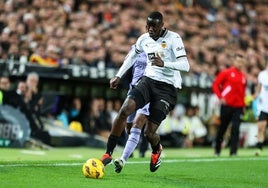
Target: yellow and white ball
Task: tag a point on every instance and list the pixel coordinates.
(93, 168)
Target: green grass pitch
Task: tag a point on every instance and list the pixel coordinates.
(186, 168)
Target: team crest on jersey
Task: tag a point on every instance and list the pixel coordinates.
(164, 44)
(180, 48)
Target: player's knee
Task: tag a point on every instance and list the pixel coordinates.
(127, 108)
(137, 97)
(139, 121)
(148, 134)
(157, 116)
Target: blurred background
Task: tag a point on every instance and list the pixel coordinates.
(73, 47)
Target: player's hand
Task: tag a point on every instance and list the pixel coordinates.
(223, 101)
(114, 82)
(157, 61)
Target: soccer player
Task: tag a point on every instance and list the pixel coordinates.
(137, 72)
(166, 57)
(138, 118)
(262, 93)
(230, 87)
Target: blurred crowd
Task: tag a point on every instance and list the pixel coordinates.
(99, 33)
(93, 116)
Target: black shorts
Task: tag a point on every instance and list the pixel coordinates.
(162, 97)
(263, 116)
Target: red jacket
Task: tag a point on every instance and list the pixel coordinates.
(230, 84)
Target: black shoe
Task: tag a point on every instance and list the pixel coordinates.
(142, 155)
(119, 164)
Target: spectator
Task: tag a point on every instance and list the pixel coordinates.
(34, 96)
(34, 100)
(95, 122)
(4, 83)
(72, 113)
(21, 88)
(196, 132)
(87, 27)
(51, 57)
(15, 98)
(183, 129)
(75, 110)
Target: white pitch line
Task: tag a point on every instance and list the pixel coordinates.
(33, 152)
(41, 164)
(203, 160)
(145, 162)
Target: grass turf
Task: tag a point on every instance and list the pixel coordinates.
(61, 167)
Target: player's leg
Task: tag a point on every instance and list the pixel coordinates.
(225, 119)
(118, 126)
(143, 144)
(143, 141)
(262, 123)
(132, 141)
(154, 140)
(158, 112)
(130, 120)
(260, 136)
(236, 120)
(124, 136)
(134, 136)
(164, 100)
(134, 100)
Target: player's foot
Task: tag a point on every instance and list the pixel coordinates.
(233, 154)
(119, 164)
(142, 154)
(156, 160)
(106, 159)
(258, 152)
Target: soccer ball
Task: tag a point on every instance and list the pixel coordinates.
(93, 168)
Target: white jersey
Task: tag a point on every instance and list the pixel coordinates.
(171, 50)
(263, 96)
(169, 47)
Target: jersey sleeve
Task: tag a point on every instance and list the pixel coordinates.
(181, 62)
(260, 77)
(138, 45)
(178, 46)
(217, 84)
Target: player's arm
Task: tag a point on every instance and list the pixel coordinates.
(127, 64)
(258, 90)
(181, 62)
(217, 84)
